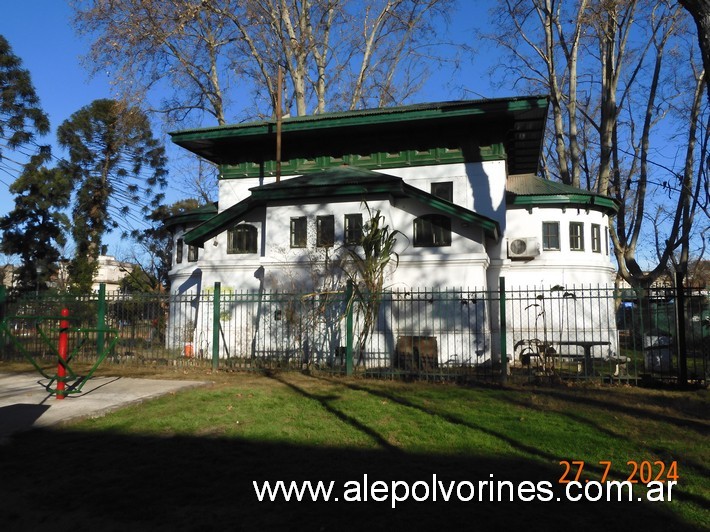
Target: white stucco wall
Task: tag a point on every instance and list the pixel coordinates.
(555, 267)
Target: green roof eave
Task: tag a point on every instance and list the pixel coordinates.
(519, 122)
(366, 117)
(489, 226)
(570, 200)
(216, 224)
(311, 187)
(201, 214)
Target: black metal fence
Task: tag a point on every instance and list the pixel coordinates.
(578, 333)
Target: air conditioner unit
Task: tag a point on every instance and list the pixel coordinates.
(523, 248)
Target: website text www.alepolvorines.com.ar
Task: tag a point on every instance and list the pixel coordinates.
(436, 490)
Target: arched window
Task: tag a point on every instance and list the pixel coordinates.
(432, 230)
(242, 239)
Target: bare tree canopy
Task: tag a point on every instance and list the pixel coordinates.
(626, 117)
(700, 11)
(336, 54)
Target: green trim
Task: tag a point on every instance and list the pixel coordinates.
(469, 131)
(216, 224)
(582, 201)
(373, 161)
(337, 183)
(199, 215)
(367, 117)
(488, 225)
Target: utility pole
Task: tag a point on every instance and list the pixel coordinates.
(279, 89)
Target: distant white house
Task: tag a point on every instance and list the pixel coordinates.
(457, 179)
(110, 272)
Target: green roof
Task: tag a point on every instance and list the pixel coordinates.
(200, 214)
(518, 123)
(532, 191)
(344, 182)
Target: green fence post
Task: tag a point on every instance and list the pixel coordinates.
(349, 329)
(215, 325)
(503, 333)
(101, 320)
(681, 343)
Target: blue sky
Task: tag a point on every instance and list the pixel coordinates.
(41, 34)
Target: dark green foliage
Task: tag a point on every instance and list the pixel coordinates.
(21, 117)
(20, 114)
(117, 168)
(35, 228)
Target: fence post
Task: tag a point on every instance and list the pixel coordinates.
(215, 325)
(101, 320)
(503, 332)
(349, 329)
(681, 344)
(62, 350)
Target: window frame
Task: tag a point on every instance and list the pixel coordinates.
(425, 235)
(447, 187)
(576, 236)
(242, 239)
(325, 231)
(596, 238)
(352, 235)
(299, 232)
(546, 244)
(193, 254)
(179, 250)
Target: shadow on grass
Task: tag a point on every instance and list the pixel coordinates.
(105, 481)
(528, 449)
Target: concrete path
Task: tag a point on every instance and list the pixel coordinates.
(24, 402)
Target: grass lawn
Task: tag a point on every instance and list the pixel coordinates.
(187, 461)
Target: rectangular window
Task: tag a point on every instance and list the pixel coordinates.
(550, 235)
(325, 231)
(576, 236)
(606, 240)
(179, 250)
(432, 230)
(353, 229)
(299, 231)
(596, 238)
(192, 253)
(444, 191)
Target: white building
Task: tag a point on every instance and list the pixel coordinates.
(455, 178)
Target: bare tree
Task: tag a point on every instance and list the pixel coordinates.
(614, 70)
(180, 46)
(337, 54)
(700, 11)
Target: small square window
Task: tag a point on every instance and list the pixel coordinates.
(325, 231)
(576, 236)
(550, 235)
(444, 191)
(596, 238)
(299, 232)
(353, 229)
